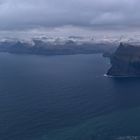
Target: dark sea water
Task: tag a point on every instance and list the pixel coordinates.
(66, 98)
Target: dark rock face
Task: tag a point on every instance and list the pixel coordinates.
(125, 61)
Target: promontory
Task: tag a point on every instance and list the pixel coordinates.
(125, 61)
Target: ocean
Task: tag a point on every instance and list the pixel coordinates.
(66, 97)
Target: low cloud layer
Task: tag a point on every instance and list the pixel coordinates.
(97, 14)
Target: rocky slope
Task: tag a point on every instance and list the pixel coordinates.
(125, 61)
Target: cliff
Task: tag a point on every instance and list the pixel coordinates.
(125, 61)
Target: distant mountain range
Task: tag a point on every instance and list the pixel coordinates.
(63, 45)
(58, 46)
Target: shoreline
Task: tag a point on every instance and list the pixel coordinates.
(110, 76)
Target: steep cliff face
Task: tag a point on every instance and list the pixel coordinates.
(125, 61)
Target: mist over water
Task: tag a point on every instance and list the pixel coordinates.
(65, 98)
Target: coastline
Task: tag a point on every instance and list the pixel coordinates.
(110, 76)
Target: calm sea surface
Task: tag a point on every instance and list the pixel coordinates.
(65, 98)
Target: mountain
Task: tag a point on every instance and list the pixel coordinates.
(55, 46)
(45, 45)
(125, 61)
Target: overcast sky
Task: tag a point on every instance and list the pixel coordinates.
(94, 14)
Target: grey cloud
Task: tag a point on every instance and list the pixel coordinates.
(24, 14)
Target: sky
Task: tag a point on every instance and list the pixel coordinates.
(69, 15)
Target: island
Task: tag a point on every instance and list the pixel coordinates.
(125, 61)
